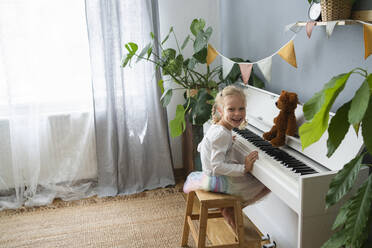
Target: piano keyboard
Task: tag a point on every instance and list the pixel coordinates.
(286, 160)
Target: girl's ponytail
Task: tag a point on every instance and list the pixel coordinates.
(215, 114)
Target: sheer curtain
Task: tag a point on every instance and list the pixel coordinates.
(47, 142)
(133, 150)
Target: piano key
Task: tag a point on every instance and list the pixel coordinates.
(286, 160)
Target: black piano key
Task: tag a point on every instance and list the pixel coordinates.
(276, 153)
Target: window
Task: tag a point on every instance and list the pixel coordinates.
(44, 56)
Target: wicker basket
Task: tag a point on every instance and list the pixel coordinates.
(335, 9)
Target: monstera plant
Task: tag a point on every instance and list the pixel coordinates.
(353, 220)
(192, 74)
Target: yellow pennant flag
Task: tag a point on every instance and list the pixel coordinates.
(367, 30)
(288, 53)
(211, 54)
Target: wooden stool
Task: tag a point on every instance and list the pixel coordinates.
(208, 200)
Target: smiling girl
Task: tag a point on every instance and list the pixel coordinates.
(221, 170)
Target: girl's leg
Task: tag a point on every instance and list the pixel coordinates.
(228, 214)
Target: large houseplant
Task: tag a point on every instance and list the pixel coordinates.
(352, 223)
(192, 74)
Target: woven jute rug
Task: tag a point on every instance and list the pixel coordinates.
(149, 219)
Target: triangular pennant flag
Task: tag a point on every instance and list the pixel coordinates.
(293, 27)
(367, 30)
(211, 54)
(227, 65)
(309, 28)
(330, 27)
(288, 53)
(265, 67)
(245, 69)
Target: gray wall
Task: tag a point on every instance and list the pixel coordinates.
(254, 29)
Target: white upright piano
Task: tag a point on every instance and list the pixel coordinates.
(293, 214)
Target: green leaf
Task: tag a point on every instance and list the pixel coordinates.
(359, 104)
(184, 44)
(212, 84)
(169, 54)
(196, 26)
(359, 213)
(152, 35)
(191, 63)
(174, 66)
(167, 36)
(367, 128)
(161, 85)
(131, 47)
(201, 56)
(149, 51)
(343, 181)
(208, 33)
(201, 112)
(369, 80)
(126, 60)
(178, 124)
(166, 97)
(144, 51)
(337, 240)
(200, 42)
(338, 128)
(311, 132)
(341, 216)
(313, 106)
(356, 128)
(257, 82)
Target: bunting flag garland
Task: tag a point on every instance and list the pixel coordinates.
(265, 67)
(367, 31)
(309, 28)
(330, 27)
(288, 53)
(293, 27)
(211, 54)
(227, 65)
(246, 70)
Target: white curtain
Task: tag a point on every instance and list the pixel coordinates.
(133, 148)
(47, 142)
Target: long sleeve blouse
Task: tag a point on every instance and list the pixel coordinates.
(213, 153)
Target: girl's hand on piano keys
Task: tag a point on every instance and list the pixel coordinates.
(249, 161)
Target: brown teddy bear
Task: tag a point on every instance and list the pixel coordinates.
(285, 122)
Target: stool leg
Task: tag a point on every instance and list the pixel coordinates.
(186, 228)
(203, 218)
(239, 223)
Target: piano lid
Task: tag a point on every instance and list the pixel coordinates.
(261, 111)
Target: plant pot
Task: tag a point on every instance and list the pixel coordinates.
(335, 9)
(192, 136)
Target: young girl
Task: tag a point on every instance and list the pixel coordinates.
(221, 170)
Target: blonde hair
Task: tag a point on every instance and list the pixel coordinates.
(219, 102)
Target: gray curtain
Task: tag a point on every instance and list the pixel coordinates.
(133, 150)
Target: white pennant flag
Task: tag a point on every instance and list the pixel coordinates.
(329, 28)
(265, 67)
(227, 65)
(293, 27)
